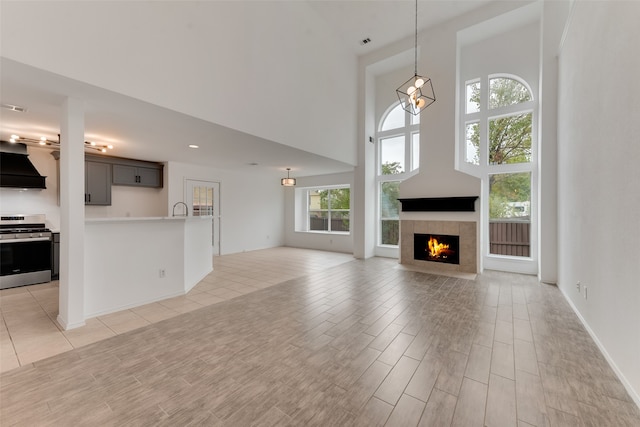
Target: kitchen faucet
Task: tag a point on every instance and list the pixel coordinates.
(185, 207)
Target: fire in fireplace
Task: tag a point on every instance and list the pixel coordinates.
(437, 248)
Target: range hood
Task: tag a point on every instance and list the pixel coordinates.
(16, 170)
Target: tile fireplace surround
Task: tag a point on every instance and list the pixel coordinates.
(466, 230)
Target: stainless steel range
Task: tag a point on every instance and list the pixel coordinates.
(25, 245)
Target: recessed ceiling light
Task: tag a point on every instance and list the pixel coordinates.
(193, 146)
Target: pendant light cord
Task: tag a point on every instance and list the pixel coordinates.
(416, 43)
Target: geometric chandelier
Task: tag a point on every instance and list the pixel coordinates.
(416, 94)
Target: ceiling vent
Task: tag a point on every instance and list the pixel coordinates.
(17, 108)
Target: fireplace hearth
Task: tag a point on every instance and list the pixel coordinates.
(436, 248)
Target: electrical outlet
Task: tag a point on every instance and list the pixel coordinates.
(162, 273)
(578, 287)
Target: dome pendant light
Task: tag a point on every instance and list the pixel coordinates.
(416, 94)
(288, 182)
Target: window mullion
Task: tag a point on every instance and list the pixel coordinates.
(329, 210)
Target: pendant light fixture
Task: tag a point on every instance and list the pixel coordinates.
(416, 94)
(288, 181)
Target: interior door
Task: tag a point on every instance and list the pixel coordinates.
(203, 199)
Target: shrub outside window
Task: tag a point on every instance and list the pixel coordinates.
(329, 210)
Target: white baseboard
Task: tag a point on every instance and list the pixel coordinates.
(69, 326)
(133, 305)
(635, 394)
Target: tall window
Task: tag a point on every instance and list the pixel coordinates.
(329, 209)
(398, 156)
(497, 145)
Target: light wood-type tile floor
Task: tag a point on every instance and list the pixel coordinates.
(322, 341)
(29, 330)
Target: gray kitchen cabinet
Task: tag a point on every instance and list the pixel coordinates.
(140, 176)
(97, 183)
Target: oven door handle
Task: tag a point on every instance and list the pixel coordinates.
(34, 239)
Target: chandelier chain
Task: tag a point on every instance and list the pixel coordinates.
(415, 53)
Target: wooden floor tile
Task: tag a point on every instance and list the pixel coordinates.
(407, 412)
(501, 402)
(470, 408)
(439, 409)
(290, 337)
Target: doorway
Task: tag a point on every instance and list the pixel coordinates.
(203, 198)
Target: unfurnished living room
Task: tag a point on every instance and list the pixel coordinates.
(300, 212)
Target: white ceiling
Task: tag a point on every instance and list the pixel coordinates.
(387, 21)
(144, 131)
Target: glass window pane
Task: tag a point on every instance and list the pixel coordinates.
(415, 151)
(473, 97)
(510, 214)
(339, 198)
(504, 91)
(394, 119)
(203, 196)
(314, 199)
(318, 220)
(415, 120)
(392, 155)
(510, 139)
(472, 147)
(389, 212)
(210, 201)
(195, 210)
(340, 220)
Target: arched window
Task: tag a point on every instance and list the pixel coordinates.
(398, 156)
(499, 130)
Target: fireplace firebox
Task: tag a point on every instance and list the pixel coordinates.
(437, 248)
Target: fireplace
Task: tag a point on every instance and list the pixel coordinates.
(437, 248)
(461, 255)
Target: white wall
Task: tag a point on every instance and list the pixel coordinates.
(132, 202)
(322, 241)
(554, 19)
(251, 205)
(598, 174)
(124, 258)
(255, 84)
(14, 201)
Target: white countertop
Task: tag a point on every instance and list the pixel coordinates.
(149, 218)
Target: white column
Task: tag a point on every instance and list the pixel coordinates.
(71, 303)
(364, 202)
(553, 22)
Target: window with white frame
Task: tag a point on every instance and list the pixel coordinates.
(497, 145)
(398, 156)
(498, 118)
(328, 209)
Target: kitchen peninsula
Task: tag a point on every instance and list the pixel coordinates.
(134, 261)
